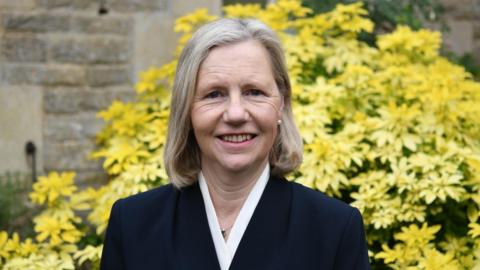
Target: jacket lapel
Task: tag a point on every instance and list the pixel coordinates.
(267, 230)
(193, 244)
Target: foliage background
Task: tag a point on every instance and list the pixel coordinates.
(390, 127)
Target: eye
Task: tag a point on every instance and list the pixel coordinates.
(213, 94)
(254, 92)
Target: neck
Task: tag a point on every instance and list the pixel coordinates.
(229, 191)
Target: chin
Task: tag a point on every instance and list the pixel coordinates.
(234, 165)
(241, 165)
(237, 167)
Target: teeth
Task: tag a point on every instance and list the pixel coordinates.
(237, 138)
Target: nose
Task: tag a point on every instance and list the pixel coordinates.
(235, 112)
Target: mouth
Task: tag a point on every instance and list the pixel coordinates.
(237, 138)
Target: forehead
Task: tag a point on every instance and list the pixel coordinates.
(248, 48)
(241, 58)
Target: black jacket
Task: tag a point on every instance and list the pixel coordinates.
(293, 227)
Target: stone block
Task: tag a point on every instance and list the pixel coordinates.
(90, 124)
(137, 5)
(72, 155)
(23, 49)
(70, 4)
(90, 178)
(460, 37)
(43, 22)
(58, 75)
(476, 29)
(180, 8)
(101, 98)
(476, 52)
(108, 75)
(63, 100)
(72, 127)
(58, 129)
(459, 9)
(119, 25)
(78, 100)
(96, 50)
(49, 4)
(17, 5)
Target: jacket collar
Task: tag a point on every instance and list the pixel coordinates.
(261, 242)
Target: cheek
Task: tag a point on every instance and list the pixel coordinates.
(267, 119)
(204, 119)
(268, 109)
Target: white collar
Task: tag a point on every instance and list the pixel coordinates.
(226, 249)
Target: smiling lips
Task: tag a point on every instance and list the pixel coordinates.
(237, 138)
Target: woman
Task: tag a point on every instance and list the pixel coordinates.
(231, 139)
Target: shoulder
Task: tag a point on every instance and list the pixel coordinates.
(143, 216)
(325, 224)
(139, 224)
(151, 201)
(316, 207)
(316, 200)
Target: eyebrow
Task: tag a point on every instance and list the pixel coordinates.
(213, 79)
(210, 84)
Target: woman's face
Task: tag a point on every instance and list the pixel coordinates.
(236, 108)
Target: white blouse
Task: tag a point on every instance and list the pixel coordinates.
(226, 248)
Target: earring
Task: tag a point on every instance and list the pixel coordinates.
(279, 122)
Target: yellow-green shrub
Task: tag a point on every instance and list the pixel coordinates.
(394, 130)
(58, 227)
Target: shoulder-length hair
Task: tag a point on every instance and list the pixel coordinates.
(182, 154)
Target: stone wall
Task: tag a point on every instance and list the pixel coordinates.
(61, 62)
(463, 20)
